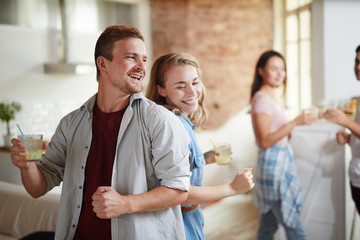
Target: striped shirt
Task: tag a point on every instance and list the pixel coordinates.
(262, 103)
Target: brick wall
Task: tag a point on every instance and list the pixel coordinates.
(227, 37)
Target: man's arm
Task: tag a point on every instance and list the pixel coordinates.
(108, 203)
(354, 127)
(339, 117)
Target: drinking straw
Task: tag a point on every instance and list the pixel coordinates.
(336, 104)
(24, 137)
(215, 147)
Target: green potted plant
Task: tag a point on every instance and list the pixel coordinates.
(7, 113)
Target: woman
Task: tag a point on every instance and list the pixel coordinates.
(277, 193)
(175, 82)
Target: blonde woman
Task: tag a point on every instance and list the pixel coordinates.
(175, 82)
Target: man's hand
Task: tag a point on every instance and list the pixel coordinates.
(18, 160)
(337, 116)
(107, 203)
(342, 137)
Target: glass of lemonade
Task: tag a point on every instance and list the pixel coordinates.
(33, 144)
(225, 154)
(312, 110)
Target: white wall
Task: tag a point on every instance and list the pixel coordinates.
(45, 97)
(335, 37)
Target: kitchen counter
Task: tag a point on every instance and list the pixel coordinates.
(322, 168)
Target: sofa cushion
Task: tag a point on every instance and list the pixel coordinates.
(21, 215)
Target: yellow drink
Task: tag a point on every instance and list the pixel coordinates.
(34, 155)
(33, 144)
(225, 154)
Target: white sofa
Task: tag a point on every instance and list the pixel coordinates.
(21, 215)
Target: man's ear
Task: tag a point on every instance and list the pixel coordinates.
(101, 63)
(161, 91)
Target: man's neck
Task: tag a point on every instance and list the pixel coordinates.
(110, 101)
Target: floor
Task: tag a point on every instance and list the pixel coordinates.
(233, 218)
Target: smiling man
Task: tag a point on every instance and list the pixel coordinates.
(123, 159)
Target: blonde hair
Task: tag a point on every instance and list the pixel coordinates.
(157, 77)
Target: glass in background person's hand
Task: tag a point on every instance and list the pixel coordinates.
(224, 156)
(312, 112)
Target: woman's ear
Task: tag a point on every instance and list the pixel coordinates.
(260, 71)
(161, 91)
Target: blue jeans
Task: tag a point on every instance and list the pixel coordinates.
(355, 193)
(194, 224)
(269, 224)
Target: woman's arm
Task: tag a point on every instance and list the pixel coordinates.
(243, 182)
(262, 124)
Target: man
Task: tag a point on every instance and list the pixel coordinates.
(339, 117)
(123, 159)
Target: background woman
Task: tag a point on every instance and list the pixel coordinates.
(175, 82)
(277, 193)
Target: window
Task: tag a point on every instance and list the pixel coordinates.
(298, 54)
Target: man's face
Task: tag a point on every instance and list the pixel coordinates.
(127, 69)
(357, 66)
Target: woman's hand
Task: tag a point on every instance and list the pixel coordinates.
(243, 181)
(210, 156)
(305, 119)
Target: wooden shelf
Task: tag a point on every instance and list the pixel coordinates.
(4, 149)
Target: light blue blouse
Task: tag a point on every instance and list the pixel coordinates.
(196, 158)
(194, 219)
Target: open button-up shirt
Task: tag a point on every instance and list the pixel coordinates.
(152, 150)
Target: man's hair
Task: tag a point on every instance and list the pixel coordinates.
(108, 37)
(358, 49)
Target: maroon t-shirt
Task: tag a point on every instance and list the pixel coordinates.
(98, 172)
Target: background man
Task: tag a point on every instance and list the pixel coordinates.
(339, 117)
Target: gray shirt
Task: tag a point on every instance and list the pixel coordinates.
(152, 150)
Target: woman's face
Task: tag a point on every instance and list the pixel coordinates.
(273, 74)
(182, 88)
